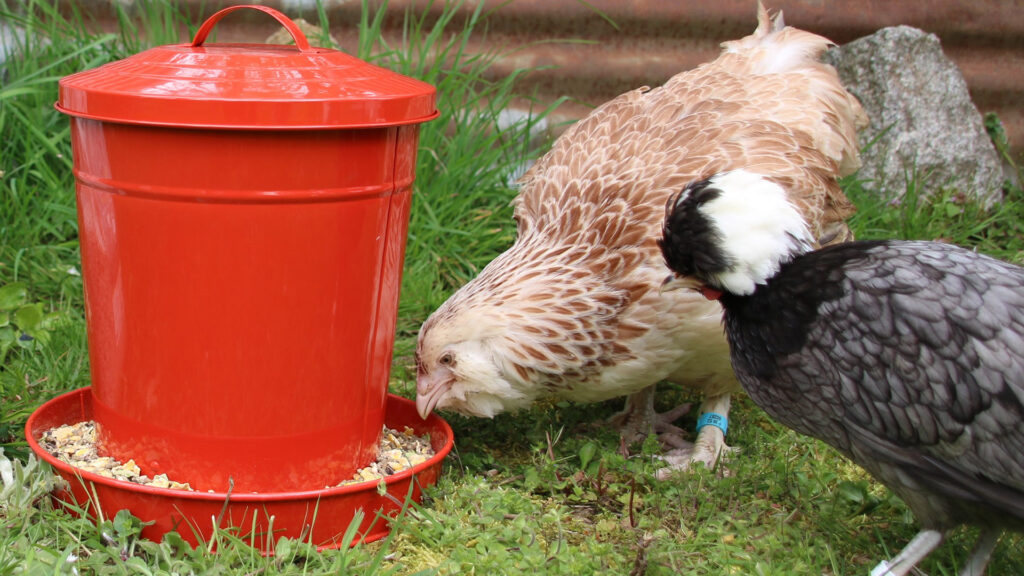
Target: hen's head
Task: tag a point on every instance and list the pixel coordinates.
(731, 232)
(460, 365)
(537, 321)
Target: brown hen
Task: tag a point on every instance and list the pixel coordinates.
(572, 310)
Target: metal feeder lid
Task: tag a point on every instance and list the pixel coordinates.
(247, 86)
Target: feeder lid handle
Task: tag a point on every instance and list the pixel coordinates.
(300, 39)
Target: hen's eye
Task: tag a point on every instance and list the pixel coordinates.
(446, 360)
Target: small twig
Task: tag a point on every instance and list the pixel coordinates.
(632, 493)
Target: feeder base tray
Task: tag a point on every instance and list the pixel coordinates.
(318, 516)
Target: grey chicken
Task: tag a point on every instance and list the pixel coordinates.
(906, 356)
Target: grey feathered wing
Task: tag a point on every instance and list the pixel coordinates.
(912, 365)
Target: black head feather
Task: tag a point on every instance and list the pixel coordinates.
(690, 242)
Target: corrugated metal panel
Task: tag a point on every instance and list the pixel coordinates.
(653, 39)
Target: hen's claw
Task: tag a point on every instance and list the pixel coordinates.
(682, 459)
(638, 419)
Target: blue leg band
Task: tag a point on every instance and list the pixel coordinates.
(713, 419)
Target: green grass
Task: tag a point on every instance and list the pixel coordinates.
(543, 491)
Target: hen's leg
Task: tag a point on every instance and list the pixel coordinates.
(915, 551)
(982, 551)
(638, 419)
(710, 443)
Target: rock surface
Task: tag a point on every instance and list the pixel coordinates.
(923, 122)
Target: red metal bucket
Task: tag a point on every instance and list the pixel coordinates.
(243, 212)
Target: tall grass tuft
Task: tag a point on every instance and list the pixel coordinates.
(948, 216)
(37, 205)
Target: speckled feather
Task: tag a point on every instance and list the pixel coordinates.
(573, 309)
(909, 358)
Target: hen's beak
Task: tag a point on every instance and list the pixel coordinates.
(674, 282)
(431, 388)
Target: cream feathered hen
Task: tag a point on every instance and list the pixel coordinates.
(572, 310)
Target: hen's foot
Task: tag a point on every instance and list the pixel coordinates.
(638, 419)
(709, 448)
(683, 458)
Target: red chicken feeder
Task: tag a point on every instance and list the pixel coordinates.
(243, 211)
(320, 517)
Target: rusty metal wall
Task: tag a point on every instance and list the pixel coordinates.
(630, 43)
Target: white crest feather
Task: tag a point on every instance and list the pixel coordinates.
(759, 227)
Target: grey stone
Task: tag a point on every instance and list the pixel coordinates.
(923, 122)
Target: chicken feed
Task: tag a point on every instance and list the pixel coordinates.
(75, 444)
